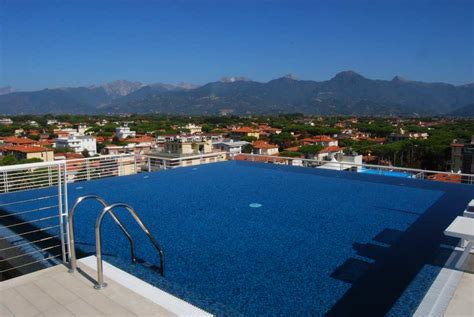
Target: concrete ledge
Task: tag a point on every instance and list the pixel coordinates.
(169, 302)
(437, 300)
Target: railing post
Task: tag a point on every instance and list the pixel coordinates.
(120, 167)
(61, 215)
(50, 179)
(5, 180)
(149, 164)
(65, 193)
(135, 164)
(88, 172)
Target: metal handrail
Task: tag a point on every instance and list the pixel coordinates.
(72, 245)
(100, 271)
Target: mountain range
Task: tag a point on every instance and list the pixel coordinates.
(347, 93)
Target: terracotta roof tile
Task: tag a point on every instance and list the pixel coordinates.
(25, 149)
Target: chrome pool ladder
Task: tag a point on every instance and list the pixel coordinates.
(72, 244)
(109, 209)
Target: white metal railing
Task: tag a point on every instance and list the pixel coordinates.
(45, 174)
(355, 167)
(32, 229)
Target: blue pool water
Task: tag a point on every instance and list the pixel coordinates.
(386, 173)
(254, 239)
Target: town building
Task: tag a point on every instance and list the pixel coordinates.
(13, 140)
(239, 133)
(323, 140)
(77, 143)
(192, 128)
(113, 149)
(124, 132)
(32, 123)
(142, 144)
(184, 150)
(267, 130)
(22, 152)
(233, 147)
(462, 157)
(264, 148)
(188, 145)
(6, 121)
(81, 129)
(405, 135)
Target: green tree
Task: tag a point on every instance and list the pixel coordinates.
(248, 138)
(290, 154)
(283, 140)
(310, 150)
(8, 160)
(247, 148)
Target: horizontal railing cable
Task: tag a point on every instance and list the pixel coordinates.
(30, 253)
(31, 263)
(28, 200)
(29, 232)
(16, 246)
(31, 221)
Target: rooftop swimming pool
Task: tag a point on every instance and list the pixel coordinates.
(365, 170)
(244, 238)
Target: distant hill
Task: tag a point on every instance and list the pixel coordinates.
(121, 88)
(78, 100)
(348, 93)
(466, 111)
(6, 90)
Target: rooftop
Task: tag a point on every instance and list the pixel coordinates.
(16, 140)
(55, 292)
(392, 254)
(264, 145)
(244, 130)
(25, 149)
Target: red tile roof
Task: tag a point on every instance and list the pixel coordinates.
(25, 149)
(46, 143)
(18, 141)
(445, 178)
(330, 149)
(270, 129)
(141, 139)
(263, 145)
(244, 130)
(319, 139)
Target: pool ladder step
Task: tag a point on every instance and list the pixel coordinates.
(109, 209)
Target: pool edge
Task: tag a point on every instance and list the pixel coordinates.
(164, 299)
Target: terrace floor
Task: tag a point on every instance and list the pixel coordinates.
(462, 303)
(55, 292)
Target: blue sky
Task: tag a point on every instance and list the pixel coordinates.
(72, 43)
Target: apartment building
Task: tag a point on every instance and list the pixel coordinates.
(77, 143)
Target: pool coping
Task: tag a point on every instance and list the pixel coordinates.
(164, 299)
(439, 295)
